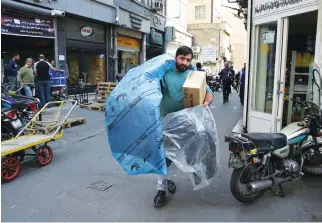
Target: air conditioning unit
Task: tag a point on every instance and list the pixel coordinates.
(196, 49)
(158, 5)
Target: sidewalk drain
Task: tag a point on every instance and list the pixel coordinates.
(100, 185)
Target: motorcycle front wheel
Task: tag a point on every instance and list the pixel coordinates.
(314, 165)
(239, 181)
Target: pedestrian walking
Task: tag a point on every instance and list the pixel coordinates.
(242, 85)
(12, 71)
(226, 82)
(41, 70)
(172, 101)
(26, 78)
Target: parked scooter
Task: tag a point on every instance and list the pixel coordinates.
(263, 160)
(218, 84)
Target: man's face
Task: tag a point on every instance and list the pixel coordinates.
(226, 64)
(17, 57)
(183, 62)
(29, 63)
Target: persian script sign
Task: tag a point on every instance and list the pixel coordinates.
(26, 26)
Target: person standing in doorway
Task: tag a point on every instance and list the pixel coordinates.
(53, 63)
(41, 70)
(26, 78)
(242, 85)
(224, 75)
(12, 71)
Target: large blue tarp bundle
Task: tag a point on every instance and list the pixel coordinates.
(133, 121)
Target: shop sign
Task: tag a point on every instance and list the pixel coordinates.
(86, 31)
(209, 53)
(156, 38)
(128, 42)
(27, 26)
(263, 7)
(156, 20)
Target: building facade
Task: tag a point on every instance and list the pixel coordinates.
(96, 39)
(176, 26)
(229, 42)
(211, 35)
(283, 43)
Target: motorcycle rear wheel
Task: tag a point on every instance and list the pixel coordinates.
(236, 183)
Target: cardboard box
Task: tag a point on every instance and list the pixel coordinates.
(194, 89)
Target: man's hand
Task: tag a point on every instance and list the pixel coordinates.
(21, 84)
(208, 99)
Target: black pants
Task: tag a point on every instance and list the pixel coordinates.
(226, 90)
(241, 94)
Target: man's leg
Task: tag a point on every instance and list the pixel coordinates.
(162, 184)
(42, 93)
(27, 91)
(47, 90)
(13, 83)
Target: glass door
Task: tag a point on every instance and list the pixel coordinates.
(265, 79)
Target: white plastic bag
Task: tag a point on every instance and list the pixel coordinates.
(190, 142)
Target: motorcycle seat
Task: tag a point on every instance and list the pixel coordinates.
(267, 141)
(3, 110)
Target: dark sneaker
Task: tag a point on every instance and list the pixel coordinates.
(171, 187)
(159, 199)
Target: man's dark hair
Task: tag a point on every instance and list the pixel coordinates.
(198, 65)
(15, 54)
(42, 56)
(184, 50)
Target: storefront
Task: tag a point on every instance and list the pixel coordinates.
(26, 35)
(86, 51)
(175, 38)
(284, 39)
(129, 49)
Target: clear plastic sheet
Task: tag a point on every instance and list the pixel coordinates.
(190, 142)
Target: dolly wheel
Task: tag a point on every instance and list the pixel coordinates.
(44, 155)
(10, 168)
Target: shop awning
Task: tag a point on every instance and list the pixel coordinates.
(21, 7)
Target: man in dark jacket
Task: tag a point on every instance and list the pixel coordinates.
(242, 85)
(224, 75)
(12, 70)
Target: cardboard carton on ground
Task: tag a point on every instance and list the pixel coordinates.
(194, 89)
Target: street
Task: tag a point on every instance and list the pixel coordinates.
(61, 191)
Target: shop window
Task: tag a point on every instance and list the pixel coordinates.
(200, 12)
(87, 65)
(127, 60)
(265, 71)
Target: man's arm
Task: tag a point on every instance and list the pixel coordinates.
(209, 96)
(51, 67)
(20, 73)
(10, 66)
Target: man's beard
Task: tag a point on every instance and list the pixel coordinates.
(181, 68)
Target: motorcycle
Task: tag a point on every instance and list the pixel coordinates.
(211, 82)
(264, 160)
(11, 122)
(218, 84)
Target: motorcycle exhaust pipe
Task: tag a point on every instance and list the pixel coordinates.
(265, 184)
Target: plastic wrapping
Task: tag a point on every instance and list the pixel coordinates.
(190, 142)
(133, 122)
